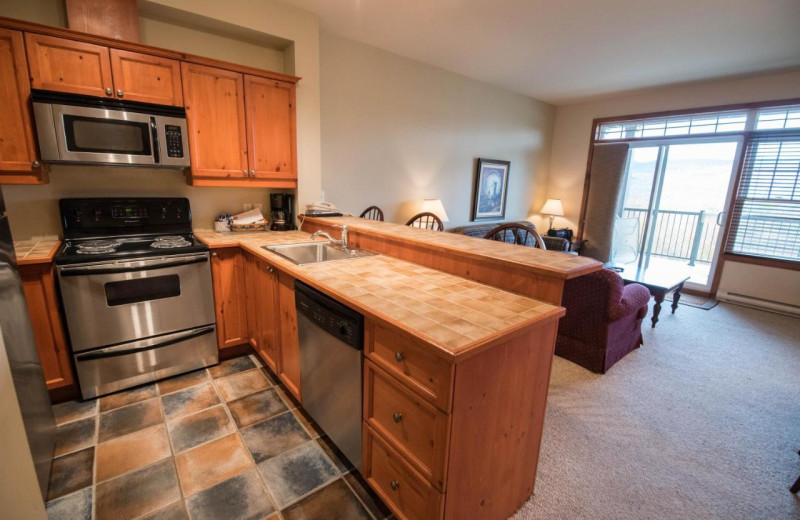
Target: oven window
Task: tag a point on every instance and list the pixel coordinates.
(94, 135)
(142, 290)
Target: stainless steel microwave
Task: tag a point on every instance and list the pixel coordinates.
(83, 129)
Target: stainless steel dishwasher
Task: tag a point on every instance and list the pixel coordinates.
(331, 347)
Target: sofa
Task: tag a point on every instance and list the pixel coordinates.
(480, 230)
(603, 321)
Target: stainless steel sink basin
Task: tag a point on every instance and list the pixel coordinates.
(315, 252)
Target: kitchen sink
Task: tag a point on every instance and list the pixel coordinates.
(315, 252)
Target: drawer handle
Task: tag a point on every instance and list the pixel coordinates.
(397, 417)
(398, 356)
(394, 485)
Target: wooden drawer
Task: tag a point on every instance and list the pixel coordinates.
(413, 426)
(404, 490)
(412, 361)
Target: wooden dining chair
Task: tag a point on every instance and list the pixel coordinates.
(426, 221)
(372, 213)
(516, 234)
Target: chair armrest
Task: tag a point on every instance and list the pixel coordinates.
(634, 297)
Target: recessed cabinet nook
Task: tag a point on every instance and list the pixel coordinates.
(241, 120)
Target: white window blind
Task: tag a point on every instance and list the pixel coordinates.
(766, 211)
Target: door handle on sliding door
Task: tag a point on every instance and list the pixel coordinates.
(719, 217)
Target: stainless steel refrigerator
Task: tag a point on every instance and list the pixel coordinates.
(26, 369)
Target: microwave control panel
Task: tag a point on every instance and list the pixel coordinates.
(174, 141)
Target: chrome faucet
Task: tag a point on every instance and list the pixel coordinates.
(326, 234)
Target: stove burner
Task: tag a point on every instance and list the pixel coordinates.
(170, 242)
(96, 247)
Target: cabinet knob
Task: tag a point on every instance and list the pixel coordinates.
(253, 173)
(214, 254)
(109, 92)
(394, 484)
(36, 164)
(398, 356)
(397, 417)
(120, 93)
(246, 173)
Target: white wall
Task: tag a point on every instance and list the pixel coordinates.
(571, 137)
(396, 131)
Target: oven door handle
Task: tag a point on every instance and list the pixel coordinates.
(88, 270)
(163, 341)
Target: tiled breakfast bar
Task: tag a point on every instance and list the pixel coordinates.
(455, 376)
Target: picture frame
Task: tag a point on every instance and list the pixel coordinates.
(491, 188)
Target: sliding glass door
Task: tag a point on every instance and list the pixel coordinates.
(673, 205)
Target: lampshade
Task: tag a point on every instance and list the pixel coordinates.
(553, 207)
(436, 207)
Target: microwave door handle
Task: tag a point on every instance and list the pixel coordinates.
(143, 346)
(162, 264)
(155, 144)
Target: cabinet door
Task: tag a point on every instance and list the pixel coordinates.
(215, 116)
(38, 283)
(289, 366)
(69, 66)
(267, 313)
(251, 279)
(17, 147)
(271, 135)
(146, 78)
(227, 271)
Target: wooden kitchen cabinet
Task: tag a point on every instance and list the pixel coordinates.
(38, 283)
(84, 68)
(262, 309)
(69, 66)
(19, 163)
(230, 305)
(146, 78)
(289, 366)
(271, 133)
(215, 117)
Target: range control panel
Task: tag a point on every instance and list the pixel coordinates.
(149, 214)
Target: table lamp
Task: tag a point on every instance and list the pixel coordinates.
(554, 208)
(436, 207)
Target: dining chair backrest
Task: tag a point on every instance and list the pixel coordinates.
(426, 221)
(372, 213)
(516, 234)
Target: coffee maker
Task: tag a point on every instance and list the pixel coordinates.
(281, 212)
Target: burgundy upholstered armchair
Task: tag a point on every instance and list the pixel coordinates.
(603, 321)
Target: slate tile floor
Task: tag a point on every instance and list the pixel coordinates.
(224, 443)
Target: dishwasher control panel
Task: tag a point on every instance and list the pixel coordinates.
(334, 318)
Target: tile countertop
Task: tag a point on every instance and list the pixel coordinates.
(553, 263)
(457, 316)
(36, 251)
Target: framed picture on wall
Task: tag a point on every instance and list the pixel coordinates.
(491, 186)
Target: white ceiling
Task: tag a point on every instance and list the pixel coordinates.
(562, 51)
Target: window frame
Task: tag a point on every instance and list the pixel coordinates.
(749, 131)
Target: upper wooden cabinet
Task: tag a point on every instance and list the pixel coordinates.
(69, 66)
(84, 68)
(18, 160)
(271, 130)
(146, 78)
(214, 101)
(255, 115)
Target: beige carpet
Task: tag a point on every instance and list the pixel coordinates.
(703, 422)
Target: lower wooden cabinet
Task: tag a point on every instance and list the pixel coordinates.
(289, 367)
(227, 272)
(262, 303)
(38, 283)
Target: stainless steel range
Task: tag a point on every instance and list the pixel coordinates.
(136, 291)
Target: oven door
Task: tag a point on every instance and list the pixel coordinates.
(105, 370)
(110, 303)
(87, 134)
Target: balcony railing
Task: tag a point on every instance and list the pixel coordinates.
(681, 235)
